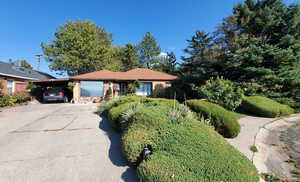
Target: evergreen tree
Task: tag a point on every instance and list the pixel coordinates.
(170, 63)
(257, 47)
(202, 50)
(149, 51)
(130, 57)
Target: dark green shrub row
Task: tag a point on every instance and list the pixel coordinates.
(265, 107)
(9, 100)
(182, 151)
(185, 150)
(224, 121)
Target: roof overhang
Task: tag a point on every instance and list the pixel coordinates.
(14, 76)
(52, 80)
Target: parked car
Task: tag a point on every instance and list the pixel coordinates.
(55, 94)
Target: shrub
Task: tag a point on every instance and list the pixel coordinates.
(265, 107)
(195, 153)
(184, 150)
(115, 114)
(141, 130)
(21, 97)
(31, 86)
(8, 100)
(222, 92)
(106, 106)
(109, 91)
(225, 122)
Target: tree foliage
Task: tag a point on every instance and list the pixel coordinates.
(130, 57)
(222, 92)
(256, 45)
(149, 51)
(79, 47)
(25, 64)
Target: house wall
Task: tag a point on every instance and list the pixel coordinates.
(79, 99)
(19, 85)
(158, 88)
(76, 92)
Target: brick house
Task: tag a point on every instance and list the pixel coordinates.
(94, 85)
(15, 78)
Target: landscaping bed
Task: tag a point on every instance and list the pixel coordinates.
(183, 148)
(17, 98)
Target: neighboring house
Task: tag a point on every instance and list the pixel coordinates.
(95, 84)
(15, 78)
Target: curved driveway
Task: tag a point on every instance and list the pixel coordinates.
(59, 143)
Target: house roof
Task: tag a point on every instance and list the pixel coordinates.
(134, 74)
(10, 70)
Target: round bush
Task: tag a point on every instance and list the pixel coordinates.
(265, 107)
(195, 153)
(222, 92)
(182, 151)
(142, 128)
(225, 122)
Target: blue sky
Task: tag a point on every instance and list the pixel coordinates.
(25, 24)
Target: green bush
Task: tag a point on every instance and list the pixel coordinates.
(224, 121)
(265, 107)
(115, 114)
(222, 92)
(195, 153)
(106, 106)
(21, 97)
(141, 129)
(184, 149)
(9, 100)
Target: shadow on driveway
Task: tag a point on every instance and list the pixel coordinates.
(115, 153)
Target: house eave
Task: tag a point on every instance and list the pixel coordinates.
(14, 76)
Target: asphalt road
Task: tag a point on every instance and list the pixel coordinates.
(59, 143)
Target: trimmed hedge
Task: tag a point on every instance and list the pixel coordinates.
(114, 114)
(224, 121)
(189, 151)
(184, 149)
(265, 107)
(195, 153)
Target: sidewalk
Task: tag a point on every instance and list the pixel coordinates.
(265, 133)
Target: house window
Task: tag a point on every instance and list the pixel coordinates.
(10, 86)
(91, 89)
(145, 89)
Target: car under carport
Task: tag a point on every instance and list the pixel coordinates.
(43, 85)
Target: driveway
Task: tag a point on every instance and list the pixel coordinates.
(59, 142)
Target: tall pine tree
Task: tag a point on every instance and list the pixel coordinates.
(149, 51)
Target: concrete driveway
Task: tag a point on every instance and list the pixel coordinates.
(59, 143)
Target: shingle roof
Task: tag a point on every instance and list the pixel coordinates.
(8, 69)
(134, 74)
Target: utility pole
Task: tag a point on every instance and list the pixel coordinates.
(38, 56)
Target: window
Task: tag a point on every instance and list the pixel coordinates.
(145, 89)
(91, 89)
(10, 86)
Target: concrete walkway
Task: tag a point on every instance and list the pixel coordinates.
(59, 142)
(265, 134)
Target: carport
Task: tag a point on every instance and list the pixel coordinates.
(42, 86)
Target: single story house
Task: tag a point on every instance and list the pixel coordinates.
(15, 78)
(93, 86)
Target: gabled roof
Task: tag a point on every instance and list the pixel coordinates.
(7, 69)
(134, 74)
